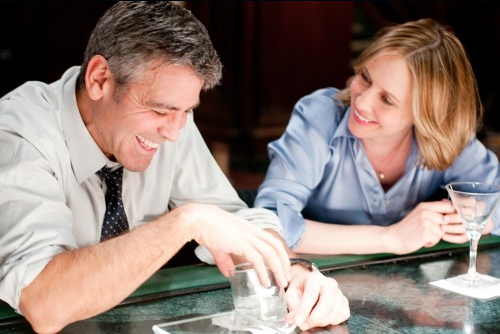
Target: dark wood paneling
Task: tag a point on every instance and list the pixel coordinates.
(274, 52)
(39, 40)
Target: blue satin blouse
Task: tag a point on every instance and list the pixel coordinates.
(319, 170)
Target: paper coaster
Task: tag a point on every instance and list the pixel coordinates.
(488, 288)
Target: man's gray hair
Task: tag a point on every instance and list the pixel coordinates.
(133, 35)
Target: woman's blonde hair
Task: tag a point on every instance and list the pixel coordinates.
(446, 105)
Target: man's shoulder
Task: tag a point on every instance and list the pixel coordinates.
(32, 114)
(29, 107)
(34, 103)
(38, 93)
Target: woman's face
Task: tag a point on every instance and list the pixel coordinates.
(381, 99)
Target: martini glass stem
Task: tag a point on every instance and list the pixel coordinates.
(473, 243)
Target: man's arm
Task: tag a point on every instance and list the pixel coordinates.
(81, 283)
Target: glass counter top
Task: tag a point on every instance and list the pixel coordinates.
(389, 296)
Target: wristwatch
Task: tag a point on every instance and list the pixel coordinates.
(304, 263)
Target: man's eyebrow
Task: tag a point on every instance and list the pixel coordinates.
(195, 106)
(162, 106)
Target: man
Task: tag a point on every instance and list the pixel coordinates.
(129, 105)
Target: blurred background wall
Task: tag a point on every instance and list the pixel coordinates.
(273, 53)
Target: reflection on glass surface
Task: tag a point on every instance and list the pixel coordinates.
(231, 322)
(398, 295)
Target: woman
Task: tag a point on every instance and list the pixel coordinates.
(356, 169)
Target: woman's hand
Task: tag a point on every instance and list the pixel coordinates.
(422, 227)
(455, 232)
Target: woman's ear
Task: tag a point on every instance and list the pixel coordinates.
(98, 78)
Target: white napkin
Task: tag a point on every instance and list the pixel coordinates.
(489, 289)
(234, 322)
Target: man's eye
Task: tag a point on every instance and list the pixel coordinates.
(160, 113)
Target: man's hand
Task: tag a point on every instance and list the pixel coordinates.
(315, 300)
(225, 235)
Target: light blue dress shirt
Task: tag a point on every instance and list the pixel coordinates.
(320, 171)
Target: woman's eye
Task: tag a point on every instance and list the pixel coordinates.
(365, 77)
(386, 100)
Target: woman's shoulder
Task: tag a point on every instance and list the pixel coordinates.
(326, 94)
(322, 100)
(321, 108)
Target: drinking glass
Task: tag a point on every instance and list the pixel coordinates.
(474, 202)
(251, 299)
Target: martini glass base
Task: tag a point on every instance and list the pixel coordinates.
(478, 281)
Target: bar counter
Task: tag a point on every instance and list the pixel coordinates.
(387, 294)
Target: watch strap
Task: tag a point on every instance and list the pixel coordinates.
(304, 263)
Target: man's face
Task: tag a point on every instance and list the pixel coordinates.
(130, 125)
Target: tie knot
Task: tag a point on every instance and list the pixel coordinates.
(109, 175)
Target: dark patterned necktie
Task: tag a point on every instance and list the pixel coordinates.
(115, 219)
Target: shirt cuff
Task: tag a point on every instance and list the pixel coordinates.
(293, 224)
(262, 218)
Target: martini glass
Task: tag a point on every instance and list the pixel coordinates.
(474, 202)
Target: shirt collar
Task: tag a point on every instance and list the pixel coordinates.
(86, 156)
(342, 130)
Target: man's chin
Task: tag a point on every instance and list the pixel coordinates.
(137, 166)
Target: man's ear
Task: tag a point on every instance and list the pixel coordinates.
(98, 78)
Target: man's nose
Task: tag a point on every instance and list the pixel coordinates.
(171, 126)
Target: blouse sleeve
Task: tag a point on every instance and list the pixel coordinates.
(297, 161)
